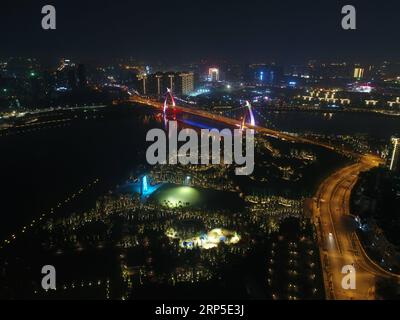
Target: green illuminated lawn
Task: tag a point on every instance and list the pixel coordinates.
(174, 196)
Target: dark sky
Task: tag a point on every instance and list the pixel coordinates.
(174, 31)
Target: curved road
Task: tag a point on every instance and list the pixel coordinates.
(338, 242)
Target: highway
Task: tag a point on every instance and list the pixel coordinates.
(338, 242)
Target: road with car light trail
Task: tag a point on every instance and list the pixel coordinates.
(337, 238)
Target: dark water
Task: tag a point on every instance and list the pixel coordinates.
(374, 125)
(42, 167)
(38, 169)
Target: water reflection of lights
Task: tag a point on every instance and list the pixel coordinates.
(206, 241)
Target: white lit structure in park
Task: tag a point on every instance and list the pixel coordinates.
(206, 241)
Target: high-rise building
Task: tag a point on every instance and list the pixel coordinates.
(82, 80)
(185, 83)
(358, 73)
(333, 70)
(234, 72)
(71, 74)
(142, 84)
(395, 158)
(156, 85)
(159, 84)
(170, 76)
(213, 74)
(264, 74)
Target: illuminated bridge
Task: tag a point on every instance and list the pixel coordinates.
(248, 121)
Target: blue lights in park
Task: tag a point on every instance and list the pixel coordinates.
(144, 184)
(199, 92)
(146, 189)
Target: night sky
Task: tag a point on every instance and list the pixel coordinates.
(185, 31)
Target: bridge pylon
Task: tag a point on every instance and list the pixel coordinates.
(248, 115)
(170, 95)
